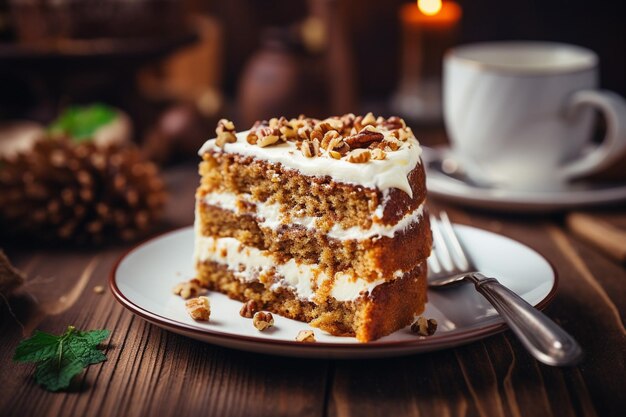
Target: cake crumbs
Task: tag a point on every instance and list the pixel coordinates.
(306, 336)
(198, 308)
(424, 327)
(262, 320)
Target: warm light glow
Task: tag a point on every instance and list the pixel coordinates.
(429, 7)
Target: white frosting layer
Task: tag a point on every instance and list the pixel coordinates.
(271, 217)
(301, 278)
(382, 174)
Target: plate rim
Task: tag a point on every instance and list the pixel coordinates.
(517, 200)
(424, 343)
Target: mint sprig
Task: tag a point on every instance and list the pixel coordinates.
(60, 358)
(81, 122)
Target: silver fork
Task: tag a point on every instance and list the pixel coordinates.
(449, 264)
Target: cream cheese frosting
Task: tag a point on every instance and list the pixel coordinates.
(249, 262)
(391, 172)
(271, 216)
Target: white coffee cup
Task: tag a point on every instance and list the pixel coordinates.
(521, 113)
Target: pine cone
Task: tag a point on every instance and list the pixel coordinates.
(79, 192)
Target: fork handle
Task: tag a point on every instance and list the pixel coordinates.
(545, 339)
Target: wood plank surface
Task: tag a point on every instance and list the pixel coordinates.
(151, 372)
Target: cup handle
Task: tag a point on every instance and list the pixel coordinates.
(613, 147)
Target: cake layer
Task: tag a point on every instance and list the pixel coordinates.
(370, 258)
(275, 215)
(348, 205)
(387, 308)
(309, 281)
(382, 175)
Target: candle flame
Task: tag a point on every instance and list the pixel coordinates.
(429, 7)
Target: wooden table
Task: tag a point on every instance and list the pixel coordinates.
(151, 372)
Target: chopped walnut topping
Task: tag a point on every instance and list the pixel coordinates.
(263, 320)
(405, 133)
(332, 141)
(306, 336)
(252, 138)
(267, 140)
(288, 132)
(304, 132)
(333, 137)
(225, 131)
(359, 156)
(424, 327)
(378, 154)
(273, 123)
(328, 137)
(224, 138)
(324, 127)
(224, 125)
(316, 134)
(392, 143)
(189, 289)
(267, 136)
(370, 128)
(248, 309)
(369, 119)
(358, 123)
(310, 148)
(199, 308)
(363, 139)
(335, 123)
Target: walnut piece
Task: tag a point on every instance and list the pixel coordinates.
(310, 148)
(363, 139)
(248, 309)
(369, 119)
(189, 289)
(316, 134)
(359, 156)
(267, 136)
(262, 320)
(306, 336)
(199, 308)
(334, 154)
(224, 125)
(330, 139)
(252, 138)
(378, 154)
(224, 138)
(304, 132)
(424, 327)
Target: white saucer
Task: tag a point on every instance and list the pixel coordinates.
(577, 196)
(143, 279)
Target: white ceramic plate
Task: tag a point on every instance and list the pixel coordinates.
(583, 194)
(142, 281)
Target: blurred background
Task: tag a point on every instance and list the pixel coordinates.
(176, 67)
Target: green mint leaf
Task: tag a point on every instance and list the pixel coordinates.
(81, 122)
(93, 337)
(39, 347)
(92, 357)
(56, 376)
(60, 358)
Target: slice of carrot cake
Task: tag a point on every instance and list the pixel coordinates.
(317, 220)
